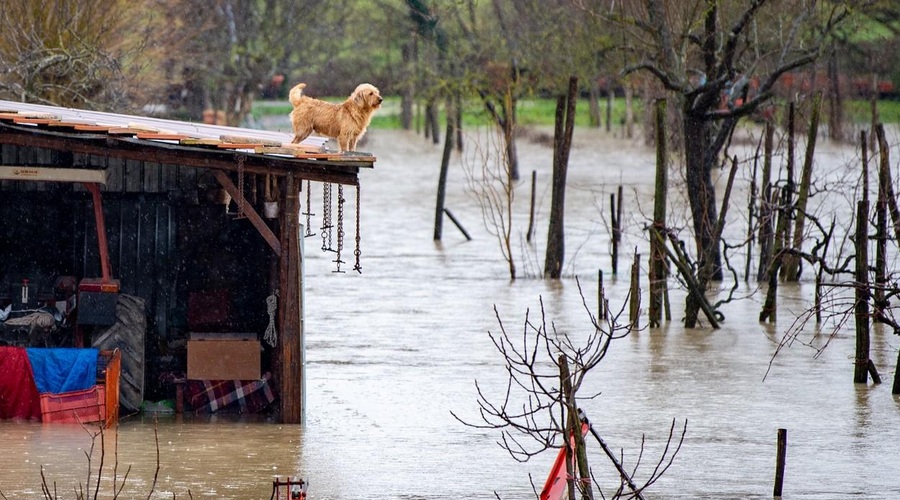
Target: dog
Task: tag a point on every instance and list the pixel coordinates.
(346, 122)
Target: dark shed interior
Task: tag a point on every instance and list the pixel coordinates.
(191, 252)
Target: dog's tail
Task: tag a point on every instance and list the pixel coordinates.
(296, 93)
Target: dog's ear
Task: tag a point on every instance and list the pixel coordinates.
(359, 98)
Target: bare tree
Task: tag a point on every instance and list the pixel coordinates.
(492, 188)
(546, 370)
(720, 59)
(235, 47)
(70, 52)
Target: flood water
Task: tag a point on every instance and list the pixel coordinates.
(392, 351)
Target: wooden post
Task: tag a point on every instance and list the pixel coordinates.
(881, 238)
(530, 232)
(442, 178)
(457, 224)
(781, 454)
(792, 273)
(657, 254)
(615, 233)
(635, 302)
(752, 197)
(766, 214)
(289, 363)
(895, 388)
(861, 366)
(885, 181)
(785, 215)
(573, 424)
(601, 298)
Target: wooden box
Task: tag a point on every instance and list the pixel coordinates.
(223, 360)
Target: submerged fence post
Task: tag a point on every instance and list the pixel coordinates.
(635, 302)
(530, 232)
(657, 255)
(861, 365)
(779, 462)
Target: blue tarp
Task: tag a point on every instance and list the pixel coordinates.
(62, 369)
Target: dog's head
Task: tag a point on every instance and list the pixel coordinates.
(367, 96)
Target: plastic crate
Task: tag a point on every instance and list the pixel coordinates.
(74, 407)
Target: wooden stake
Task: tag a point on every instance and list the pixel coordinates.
(615, 233)
(766, 214)
(781, 454)
(792, 271)
(657, 255)
(601, 298)
(861, 366)
(635, 302)
(530, 232)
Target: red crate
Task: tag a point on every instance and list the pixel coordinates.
(75, 407)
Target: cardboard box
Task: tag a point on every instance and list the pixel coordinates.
(223, 360)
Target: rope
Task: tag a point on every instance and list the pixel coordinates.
(271, 336)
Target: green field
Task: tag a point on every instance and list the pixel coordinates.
(541, 112)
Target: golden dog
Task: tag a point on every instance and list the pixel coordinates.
(346, 121)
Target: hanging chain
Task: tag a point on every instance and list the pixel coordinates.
(308, 212)
(240, 164)
(271, 335)
(357, 267)
(340, 228)
(326, 217)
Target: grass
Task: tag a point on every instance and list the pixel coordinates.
(541, 112)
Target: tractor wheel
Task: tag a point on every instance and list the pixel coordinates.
(127, 334)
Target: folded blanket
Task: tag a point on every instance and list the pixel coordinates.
(59, 370)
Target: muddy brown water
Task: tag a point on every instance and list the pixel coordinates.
(390, 352)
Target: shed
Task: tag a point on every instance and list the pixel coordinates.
(175, 216)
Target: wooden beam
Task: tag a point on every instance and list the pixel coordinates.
(252, 214)
(289, 363)
(50, 174)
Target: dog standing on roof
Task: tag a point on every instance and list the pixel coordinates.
(345, 122)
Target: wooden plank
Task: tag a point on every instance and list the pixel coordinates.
(302, 147)
(200, 142)
(240, 139)
(69, 124)
(35, 121)
(251, 213)
(92, 128)
(45, 174)
(133, 176)
(162, 137)
(228, 145)
(152, 177)
(366, 159)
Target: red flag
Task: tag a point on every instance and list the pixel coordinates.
(556, 486)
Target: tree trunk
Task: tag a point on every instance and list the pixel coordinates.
(792, 262)
(657, 254)
(766, 214)
(702, 198)
(562, 143)
(836, 100)
(407, 93)
(594, 104)
(445, 168)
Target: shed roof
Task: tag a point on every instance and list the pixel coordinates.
(175, 142)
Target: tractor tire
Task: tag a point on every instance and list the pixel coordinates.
(127, 334)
